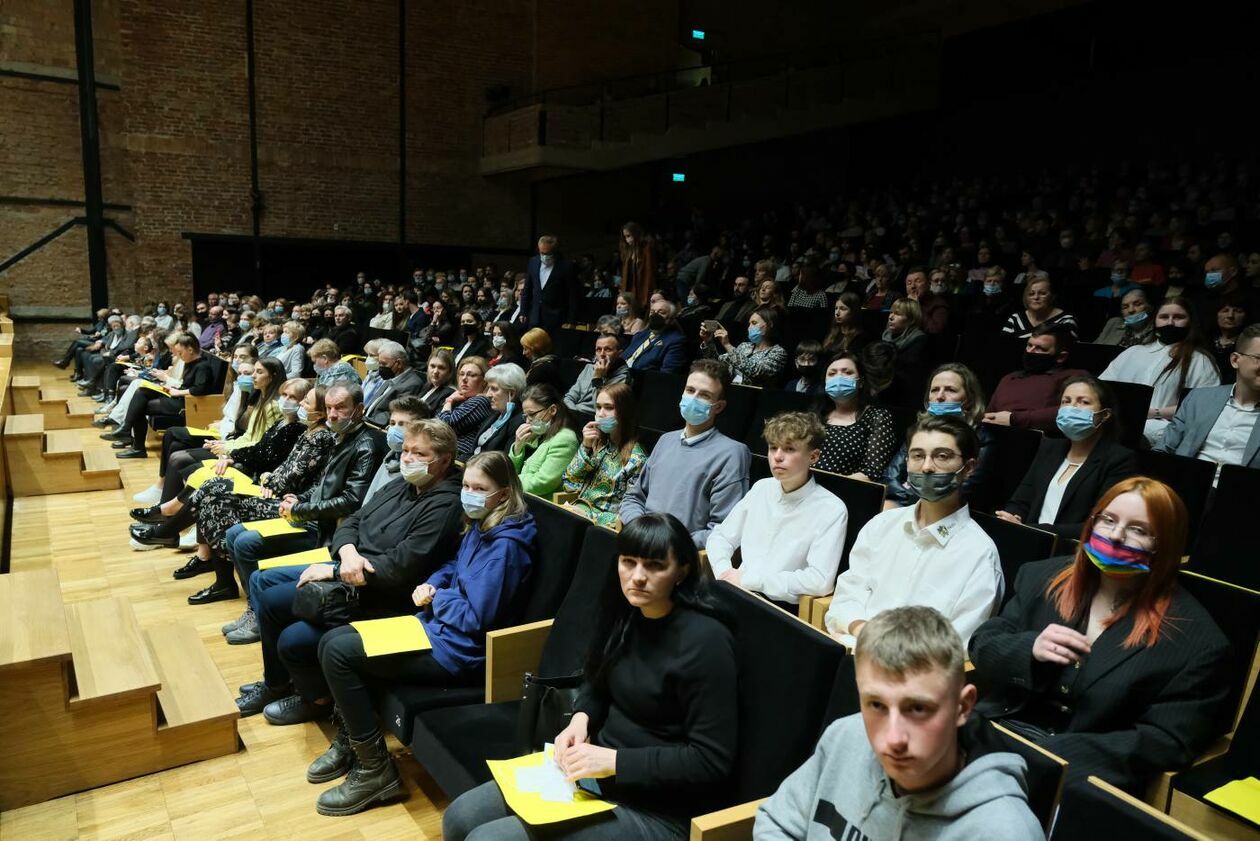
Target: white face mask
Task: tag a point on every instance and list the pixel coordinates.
(415, 472)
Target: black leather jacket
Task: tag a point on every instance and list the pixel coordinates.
(341, 489)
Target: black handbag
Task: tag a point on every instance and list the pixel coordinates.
(546, 707)
(327, 603)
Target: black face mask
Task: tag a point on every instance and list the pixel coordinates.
(471, 331)
(386, 373)
(1170, 334)
(656, 321)
(1038, 363)
(807, 371)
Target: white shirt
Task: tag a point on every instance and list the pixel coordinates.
(790, 543)
(544, 274)
(1142, 364)
(950, 565)
(227, 423)
(1054, 494)
(1227, 441)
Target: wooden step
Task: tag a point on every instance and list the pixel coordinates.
(99, 461)
(62, 442)
(6, 345)
(43, 462)
(32, 619)
(111, 658)
(193, 691)
(23, 425)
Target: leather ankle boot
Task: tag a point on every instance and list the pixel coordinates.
(372, 779)
(336, 760)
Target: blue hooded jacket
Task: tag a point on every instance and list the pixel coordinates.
(478, 591)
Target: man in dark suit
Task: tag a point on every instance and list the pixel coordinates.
(400, 380)
(662, 346)
(550, 295)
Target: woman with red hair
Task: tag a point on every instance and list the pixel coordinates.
(1102, 658)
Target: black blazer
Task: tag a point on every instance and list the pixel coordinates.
(408, 382)
(1134, 712)
(480, 347)
(502, 437)
(554, 305)
(1106, 464)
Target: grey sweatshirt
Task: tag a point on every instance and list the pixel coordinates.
(698, 483)
(842, 792)
(581, 395)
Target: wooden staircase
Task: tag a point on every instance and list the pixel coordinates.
(60, 410)
(89, 699)
(43, 462)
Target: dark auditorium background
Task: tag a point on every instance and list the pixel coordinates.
(974, 86)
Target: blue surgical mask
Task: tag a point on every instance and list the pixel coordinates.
(474, 504)
(245, 382)
(161, 310)
(1213, 279)
(1076, 423)
(547, 259)
(622, 312)
(288, 406)
(841, 388)
(1118, 277)
(947, 407)
(992, 290)
(245, 324)
(694, 410)
(538, 427)
(499, 342)
(755, 334)
(607, 424)
(394, 438)
(1133, 319)
(285, 339)
(691, 300)
(303, 415)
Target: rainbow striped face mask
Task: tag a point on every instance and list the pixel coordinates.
(1113, 558)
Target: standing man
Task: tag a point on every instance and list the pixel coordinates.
(550, 296)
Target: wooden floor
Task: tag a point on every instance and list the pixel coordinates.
(259, 793)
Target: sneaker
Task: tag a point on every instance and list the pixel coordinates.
(293, 710)
(188, 540)
(151, 495)
(236, 623)
(252, 702)
(245, 633)
(141, 547)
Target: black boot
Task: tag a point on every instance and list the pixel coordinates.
(336, 760)
(372, 779)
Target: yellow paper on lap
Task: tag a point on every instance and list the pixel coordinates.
(153, 387)
(540, 800)
(1242, 797)
(272, 527)
(203, 432)
(392, 636)
(205, 473)
(298, 559)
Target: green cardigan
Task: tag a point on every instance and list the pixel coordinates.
(541, 466)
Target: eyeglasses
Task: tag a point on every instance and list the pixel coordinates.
(1255, 356)
(534, 414)
(938, 457)
(1133, 534)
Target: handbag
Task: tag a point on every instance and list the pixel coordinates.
(546, 707)
(327, 603)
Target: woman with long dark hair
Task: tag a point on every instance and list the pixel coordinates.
(610, 456)
(846, 328)
(655, 728)
(860, 438)
(638, 262)
(1102, 658)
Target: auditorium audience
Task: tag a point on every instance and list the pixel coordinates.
(761, 360)
(1102, 658)
(504, 386)
(931, 553)
(860, 438)
(696, 474)
(608, 458)
(1178, 358)
(788, 530)
(197, 378)
(911, 763)
(1029, 398)
(1068, 475)
(655, 726)
(545, 442)
(292, 353)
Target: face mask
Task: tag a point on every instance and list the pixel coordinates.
(1077, 424)
(287, 405)
(1113, 558)
(321, 367)
(806, 368)
(340, 426)
(841, 388)
(607, 424)
(303, 415)
(547, 259)
(1038, 363)
(691, 300)
(656, 321)
(1213, 279)
(470, 331)
(394, 438)
(538, 427)
(245, 383)
(755, 334)
(161, 310)
(1169, 334)
(1118, 278)
(622, 312)
(1133, 319)
(503, 303)
(474, 504)
(933, 487)
(384, 372)
(415, 472)
(947, 407)
(285, 341)
(939, 289)
(499, 342)
(694, 410)
(245, 324)
(371, 364)
(992, 290)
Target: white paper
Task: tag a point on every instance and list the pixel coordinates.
(547, 780)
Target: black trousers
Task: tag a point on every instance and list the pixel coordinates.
(178, 438)
(143, 407)
(183, 463)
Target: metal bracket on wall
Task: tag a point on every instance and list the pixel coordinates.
(57, 232)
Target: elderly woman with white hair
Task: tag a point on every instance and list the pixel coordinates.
(504, 385)
(292, 354)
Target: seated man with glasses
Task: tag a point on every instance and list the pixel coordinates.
(1102, 658)
(1218, 423)
(931, 553)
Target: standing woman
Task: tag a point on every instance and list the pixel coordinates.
(1102, 658)
(438, 372)
(1178, 358)
(1069, 474)
(860, 438)
(477, 591)
(609, 458)
(467, 408)
(1039, 308)
(656, 722)
(761, 360)
(545, 442)
(638, 263)
(846, 328)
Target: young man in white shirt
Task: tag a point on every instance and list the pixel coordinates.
(931, 553)
(788, 529)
